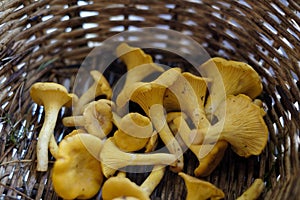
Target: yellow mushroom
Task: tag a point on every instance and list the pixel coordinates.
(98, 88)
(254, 191)
(229, 78)
(209, 155)
(96, 118)
(187, 94)
(242, 126)
(111, 156)
(134, 131)
(76, 173)
(139, 65)
(133, 57)
(150, 98)
(199, 189)
(119, 186)
(53, 97)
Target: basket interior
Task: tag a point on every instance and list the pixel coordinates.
(48, 40)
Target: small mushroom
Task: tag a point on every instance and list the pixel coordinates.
(209, 155)
(96, 118)
(114, 158)
(199, 189)
(187, 94)
(77, 166)
(254, 191)
(53, 97)
(242, 126)
(133, 57)
(150, 98)
(119, 186)
(139, 66)
(165, 79)
(98, 88)
(134, 132)
(231, 77)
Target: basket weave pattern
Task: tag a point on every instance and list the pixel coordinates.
(47, 40)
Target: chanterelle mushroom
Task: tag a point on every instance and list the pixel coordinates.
(209, 155)
(150, 97)
(254, 191)
(114, 158)
(232, 76)
(134, 132)
(199, 189)
(242, 126)
(96, 118)
(52, 96)
(76, 173)
(99, 87)
(139, 65)
(120, 186)
(133, 57)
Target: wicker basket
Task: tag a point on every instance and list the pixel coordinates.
(47, 40)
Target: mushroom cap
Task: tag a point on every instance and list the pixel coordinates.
(209, 162)
(166, 79)
(122, 187)
(238, 77)
(43, 93)
(199, 189)
(76, 165)
(229, 78)
(129, 143)
(242, 126)
(136, 125)
(98, 118)
(134, 131)
(132, 56)
(147, 95)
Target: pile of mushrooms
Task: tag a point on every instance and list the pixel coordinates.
(205, 114)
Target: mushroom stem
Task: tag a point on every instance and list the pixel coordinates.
(72, 121)
(85, 98)
(184, 132)
(209, 155)
(51, 113)
(113, 157)
(153, 179)
(156, 114)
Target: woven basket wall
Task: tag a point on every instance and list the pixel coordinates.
(47, 40)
